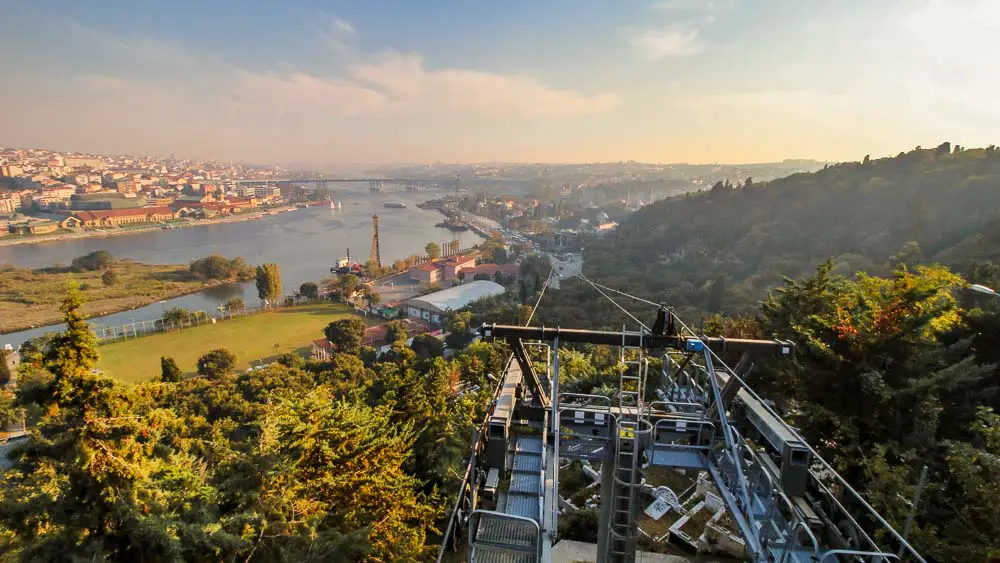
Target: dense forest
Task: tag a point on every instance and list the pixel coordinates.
(346, 460)
(723, 249)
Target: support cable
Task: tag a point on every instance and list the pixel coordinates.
(539, 300)
(613, 302)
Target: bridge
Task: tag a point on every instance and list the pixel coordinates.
(375, 184)
(784, 502)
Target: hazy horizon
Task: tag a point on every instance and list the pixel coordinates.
(340, 84)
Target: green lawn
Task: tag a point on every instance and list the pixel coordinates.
(257, 337)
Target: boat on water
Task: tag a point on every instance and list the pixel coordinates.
(453, 225)
(394, 205)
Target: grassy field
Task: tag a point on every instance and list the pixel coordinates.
(30, 298)
(252, 338)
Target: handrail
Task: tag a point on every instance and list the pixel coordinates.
(827, 554)
(478, 515)
(598, 398)
(483, 429)
(701, 424)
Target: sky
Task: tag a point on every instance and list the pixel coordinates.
(405, 81)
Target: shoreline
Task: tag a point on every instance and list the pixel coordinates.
(115, 310)
(240, 217)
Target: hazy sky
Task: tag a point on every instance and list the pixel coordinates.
(508, 80)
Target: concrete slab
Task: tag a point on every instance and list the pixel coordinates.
(567, 551)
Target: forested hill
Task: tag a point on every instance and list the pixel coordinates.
(723, 249)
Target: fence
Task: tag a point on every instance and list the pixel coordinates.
(137, 329)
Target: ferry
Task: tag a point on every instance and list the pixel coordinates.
(394, 205)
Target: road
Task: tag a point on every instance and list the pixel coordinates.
(566, 266)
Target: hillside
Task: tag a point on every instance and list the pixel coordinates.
(723, 249)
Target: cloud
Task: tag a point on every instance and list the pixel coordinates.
(342, 27)
(685, 5)
(142, 48)
(668, 42)
(399, 84)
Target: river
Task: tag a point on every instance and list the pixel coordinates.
(304, 242)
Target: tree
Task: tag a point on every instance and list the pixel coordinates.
(458, 327)
(169, 372)
(215, 363)
(177, 316)
(235, 305)
(345, 335)
(269, 282)
(291, 359)
(716, 293)
(348, 284)
(5, 374)
(432, 250)
(109, 278)
(396, 331)
(461, 276)
(427, 347)
(373, 297)
(217, 267)
(96, 260)
(309, 290)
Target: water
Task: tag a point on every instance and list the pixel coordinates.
(304, 242)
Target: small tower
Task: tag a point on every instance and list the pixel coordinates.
(376, 255)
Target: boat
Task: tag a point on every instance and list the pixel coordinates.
(394, 205)
(453, 225)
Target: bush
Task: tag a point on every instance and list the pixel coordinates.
(216, 362)
(579, 525)
(309, 290)
(109, 278)
(96, 260)
(220, 268)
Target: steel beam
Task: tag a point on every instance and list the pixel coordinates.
(719, 345)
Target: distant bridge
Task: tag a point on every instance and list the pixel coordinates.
(375, 183)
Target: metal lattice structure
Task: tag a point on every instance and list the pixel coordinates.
(788, 504)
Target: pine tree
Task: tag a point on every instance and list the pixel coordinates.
(169, 372)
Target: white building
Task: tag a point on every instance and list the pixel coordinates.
(433, 306)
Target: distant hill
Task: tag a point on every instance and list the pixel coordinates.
(722, 249)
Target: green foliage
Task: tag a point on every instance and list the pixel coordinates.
(176, 316)
(309, 290)
(347, 285)
(345, 335)
(924, 206)
(169, 372)
(109, 278)
(432, 249)
(215, 363)
(235, 305)
(396, 332)
(96, 260)
(427, 347)
(5, 373)
(269, 282)
(459, 328)
(291, 360)
(220, 268)
(337, 464)
(890, 366)
(579, 525)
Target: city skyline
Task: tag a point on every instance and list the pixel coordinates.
(337, 83)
